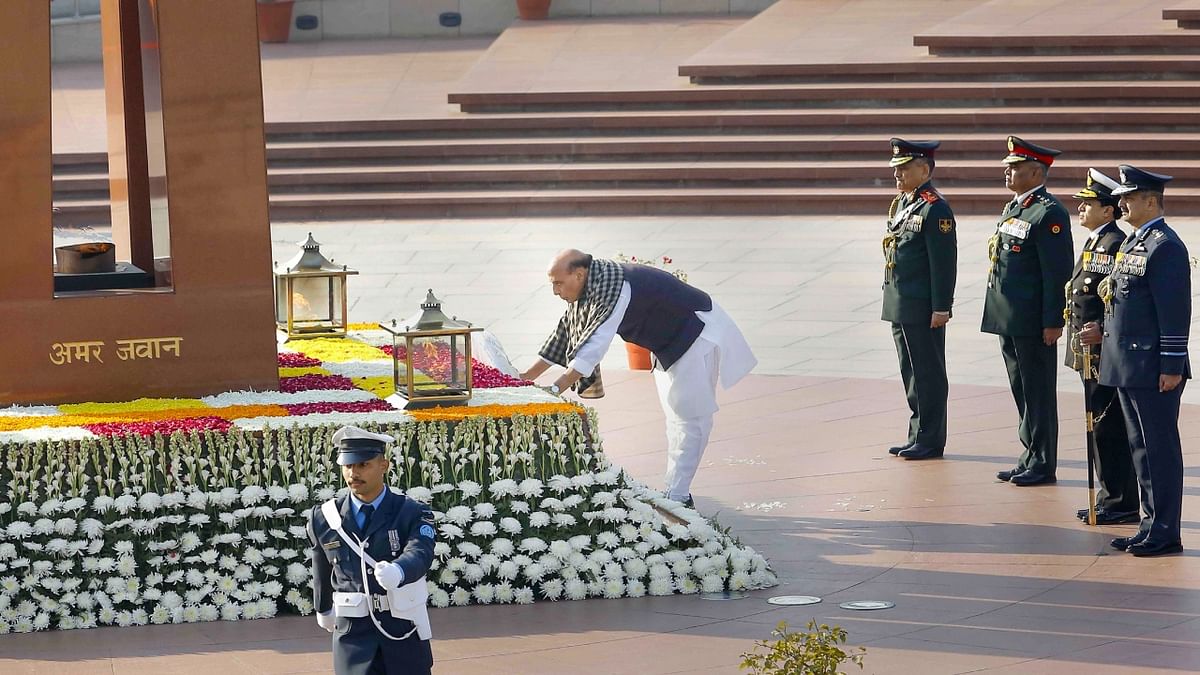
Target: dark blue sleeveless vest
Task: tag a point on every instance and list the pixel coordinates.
(662, 313)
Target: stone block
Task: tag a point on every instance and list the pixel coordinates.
(624, 7)
(61, 9)
(419, 18)
(694, 6)
(88, 7)
(302, 8)
(356, 18)
(487, 17)
(563, 8)
(76, 42)
(749, 6)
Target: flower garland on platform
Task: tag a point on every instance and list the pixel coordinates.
(179, 510)
(322, 381)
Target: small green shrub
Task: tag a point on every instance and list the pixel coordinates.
(793, 653)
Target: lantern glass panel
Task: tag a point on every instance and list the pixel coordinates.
(313, 299)
(439, 363)
(281, 298)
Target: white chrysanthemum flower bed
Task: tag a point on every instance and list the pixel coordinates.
(199, 528)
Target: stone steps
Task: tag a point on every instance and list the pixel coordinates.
(1179, 41)
(1077, 119)
(957, 69)
(837, 95)
(1184, 17)
(802, 135)
(972, 172)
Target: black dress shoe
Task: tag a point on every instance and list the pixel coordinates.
(895, 449)
(918, 451)
(1030, 477)
(1106, 517)
(689, 502)
(1148, 549)
(1007, 475)
(1123, 543)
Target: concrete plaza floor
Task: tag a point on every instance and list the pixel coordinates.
(986, 577)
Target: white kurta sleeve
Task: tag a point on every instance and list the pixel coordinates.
(592, 351)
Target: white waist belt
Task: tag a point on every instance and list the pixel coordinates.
(406, 602)
(356, 605)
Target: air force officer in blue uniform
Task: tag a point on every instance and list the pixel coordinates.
(395, 532)
(1145, 335)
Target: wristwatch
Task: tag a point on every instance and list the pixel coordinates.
(554, 389)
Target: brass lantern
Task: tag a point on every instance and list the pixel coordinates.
(431, 362)
(310, 294)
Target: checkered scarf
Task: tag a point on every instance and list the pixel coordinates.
(584, 316)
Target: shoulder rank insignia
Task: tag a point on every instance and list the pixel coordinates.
(929, 196)
(945, 225)
(1055, 229)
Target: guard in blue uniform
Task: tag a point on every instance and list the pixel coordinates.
(1031, 260)
(1149, 311)
(920, 254)
(371, 550)
(1117, 500)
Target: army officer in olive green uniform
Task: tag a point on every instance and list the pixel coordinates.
(1031, 261)
(920, 253)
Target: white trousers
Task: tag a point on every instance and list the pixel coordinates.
(688, 394)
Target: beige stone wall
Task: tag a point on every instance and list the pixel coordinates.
(76, 28)
(419, 18)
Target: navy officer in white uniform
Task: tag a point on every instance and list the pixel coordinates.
(370, 550)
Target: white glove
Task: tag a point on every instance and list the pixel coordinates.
(388, 575)
(327, 620)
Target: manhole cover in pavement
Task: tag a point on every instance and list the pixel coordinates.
(723, 595)
(793, 600)
(867, 605)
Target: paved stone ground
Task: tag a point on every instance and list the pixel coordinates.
(805, 290)
(986, 577)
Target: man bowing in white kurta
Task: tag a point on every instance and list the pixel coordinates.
(693, 341)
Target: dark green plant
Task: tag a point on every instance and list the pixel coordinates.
(816, 652)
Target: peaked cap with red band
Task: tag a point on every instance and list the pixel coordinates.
(1024, 151)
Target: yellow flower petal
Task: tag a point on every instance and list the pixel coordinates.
(310, 370)
(338, 350)
(131, 407)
